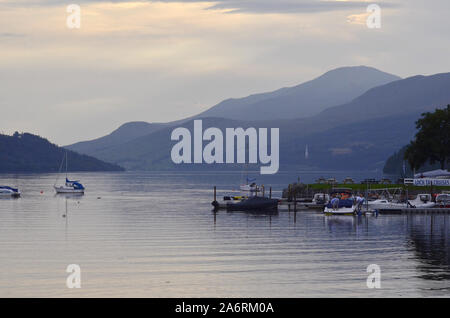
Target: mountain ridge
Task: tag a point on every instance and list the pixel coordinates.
(97, 145)
(386, 112)
(332, 88)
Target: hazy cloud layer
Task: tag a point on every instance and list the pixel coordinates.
(162, 61)
(249, 6)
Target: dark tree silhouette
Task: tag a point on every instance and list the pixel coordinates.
(432, 141)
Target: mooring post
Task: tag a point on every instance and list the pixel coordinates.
(295, 202)
(270, 193)
(263, 190)
(215, 193)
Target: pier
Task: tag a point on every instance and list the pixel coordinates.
(295, 204)
(417, 210)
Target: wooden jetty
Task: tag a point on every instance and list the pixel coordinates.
(416, 210)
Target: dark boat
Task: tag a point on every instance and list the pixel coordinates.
(250, 204)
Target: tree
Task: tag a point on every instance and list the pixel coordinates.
(432, 141)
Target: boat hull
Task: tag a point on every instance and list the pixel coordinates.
(10, 195)
(339, 211)
(250, 204)
(390, 206)
(247, 188)
(69, 190)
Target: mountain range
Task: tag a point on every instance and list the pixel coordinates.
(360, 131)
(335, 87)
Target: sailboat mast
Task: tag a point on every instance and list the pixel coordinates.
(66, 164)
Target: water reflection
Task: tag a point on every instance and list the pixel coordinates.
(131, 235)
(430, 237)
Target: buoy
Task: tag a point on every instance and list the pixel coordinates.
(42, 192)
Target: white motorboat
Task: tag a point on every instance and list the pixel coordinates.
(340, 211)
(421, 201)
(318, 201)
(443, 200)
(320, 198)
(344, 207)
(384, 204)
(9, 192)
(71, 187)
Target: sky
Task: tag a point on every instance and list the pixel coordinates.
(160, 61)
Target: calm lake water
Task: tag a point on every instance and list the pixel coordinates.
(154, 235)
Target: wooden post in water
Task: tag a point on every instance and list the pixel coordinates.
(270, 193)
(431, 189)
(215, 193)
(263, 191)
(295, 202)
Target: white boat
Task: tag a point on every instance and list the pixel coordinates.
(248, 187)
(384, 204)
(340, 211)
(72, 187)
(321, 198)
(421, 201)
(9, 192)
(443, 200)
(345, 207)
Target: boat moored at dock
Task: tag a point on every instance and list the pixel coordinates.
(422, 201)
(340, 207)
(248, 204)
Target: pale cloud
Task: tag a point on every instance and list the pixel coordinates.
(249, 6)
(360, 18)
(165, 60)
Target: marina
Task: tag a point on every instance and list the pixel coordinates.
(341, 200)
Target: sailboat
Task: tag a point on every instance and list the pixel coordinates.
(70, 186)
(6, 191)
(250, 185)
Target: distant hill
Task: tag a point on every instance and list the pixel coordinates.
(310, 98)
(30, 153)
(124, 133)
(335, 87)
(360, 134)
